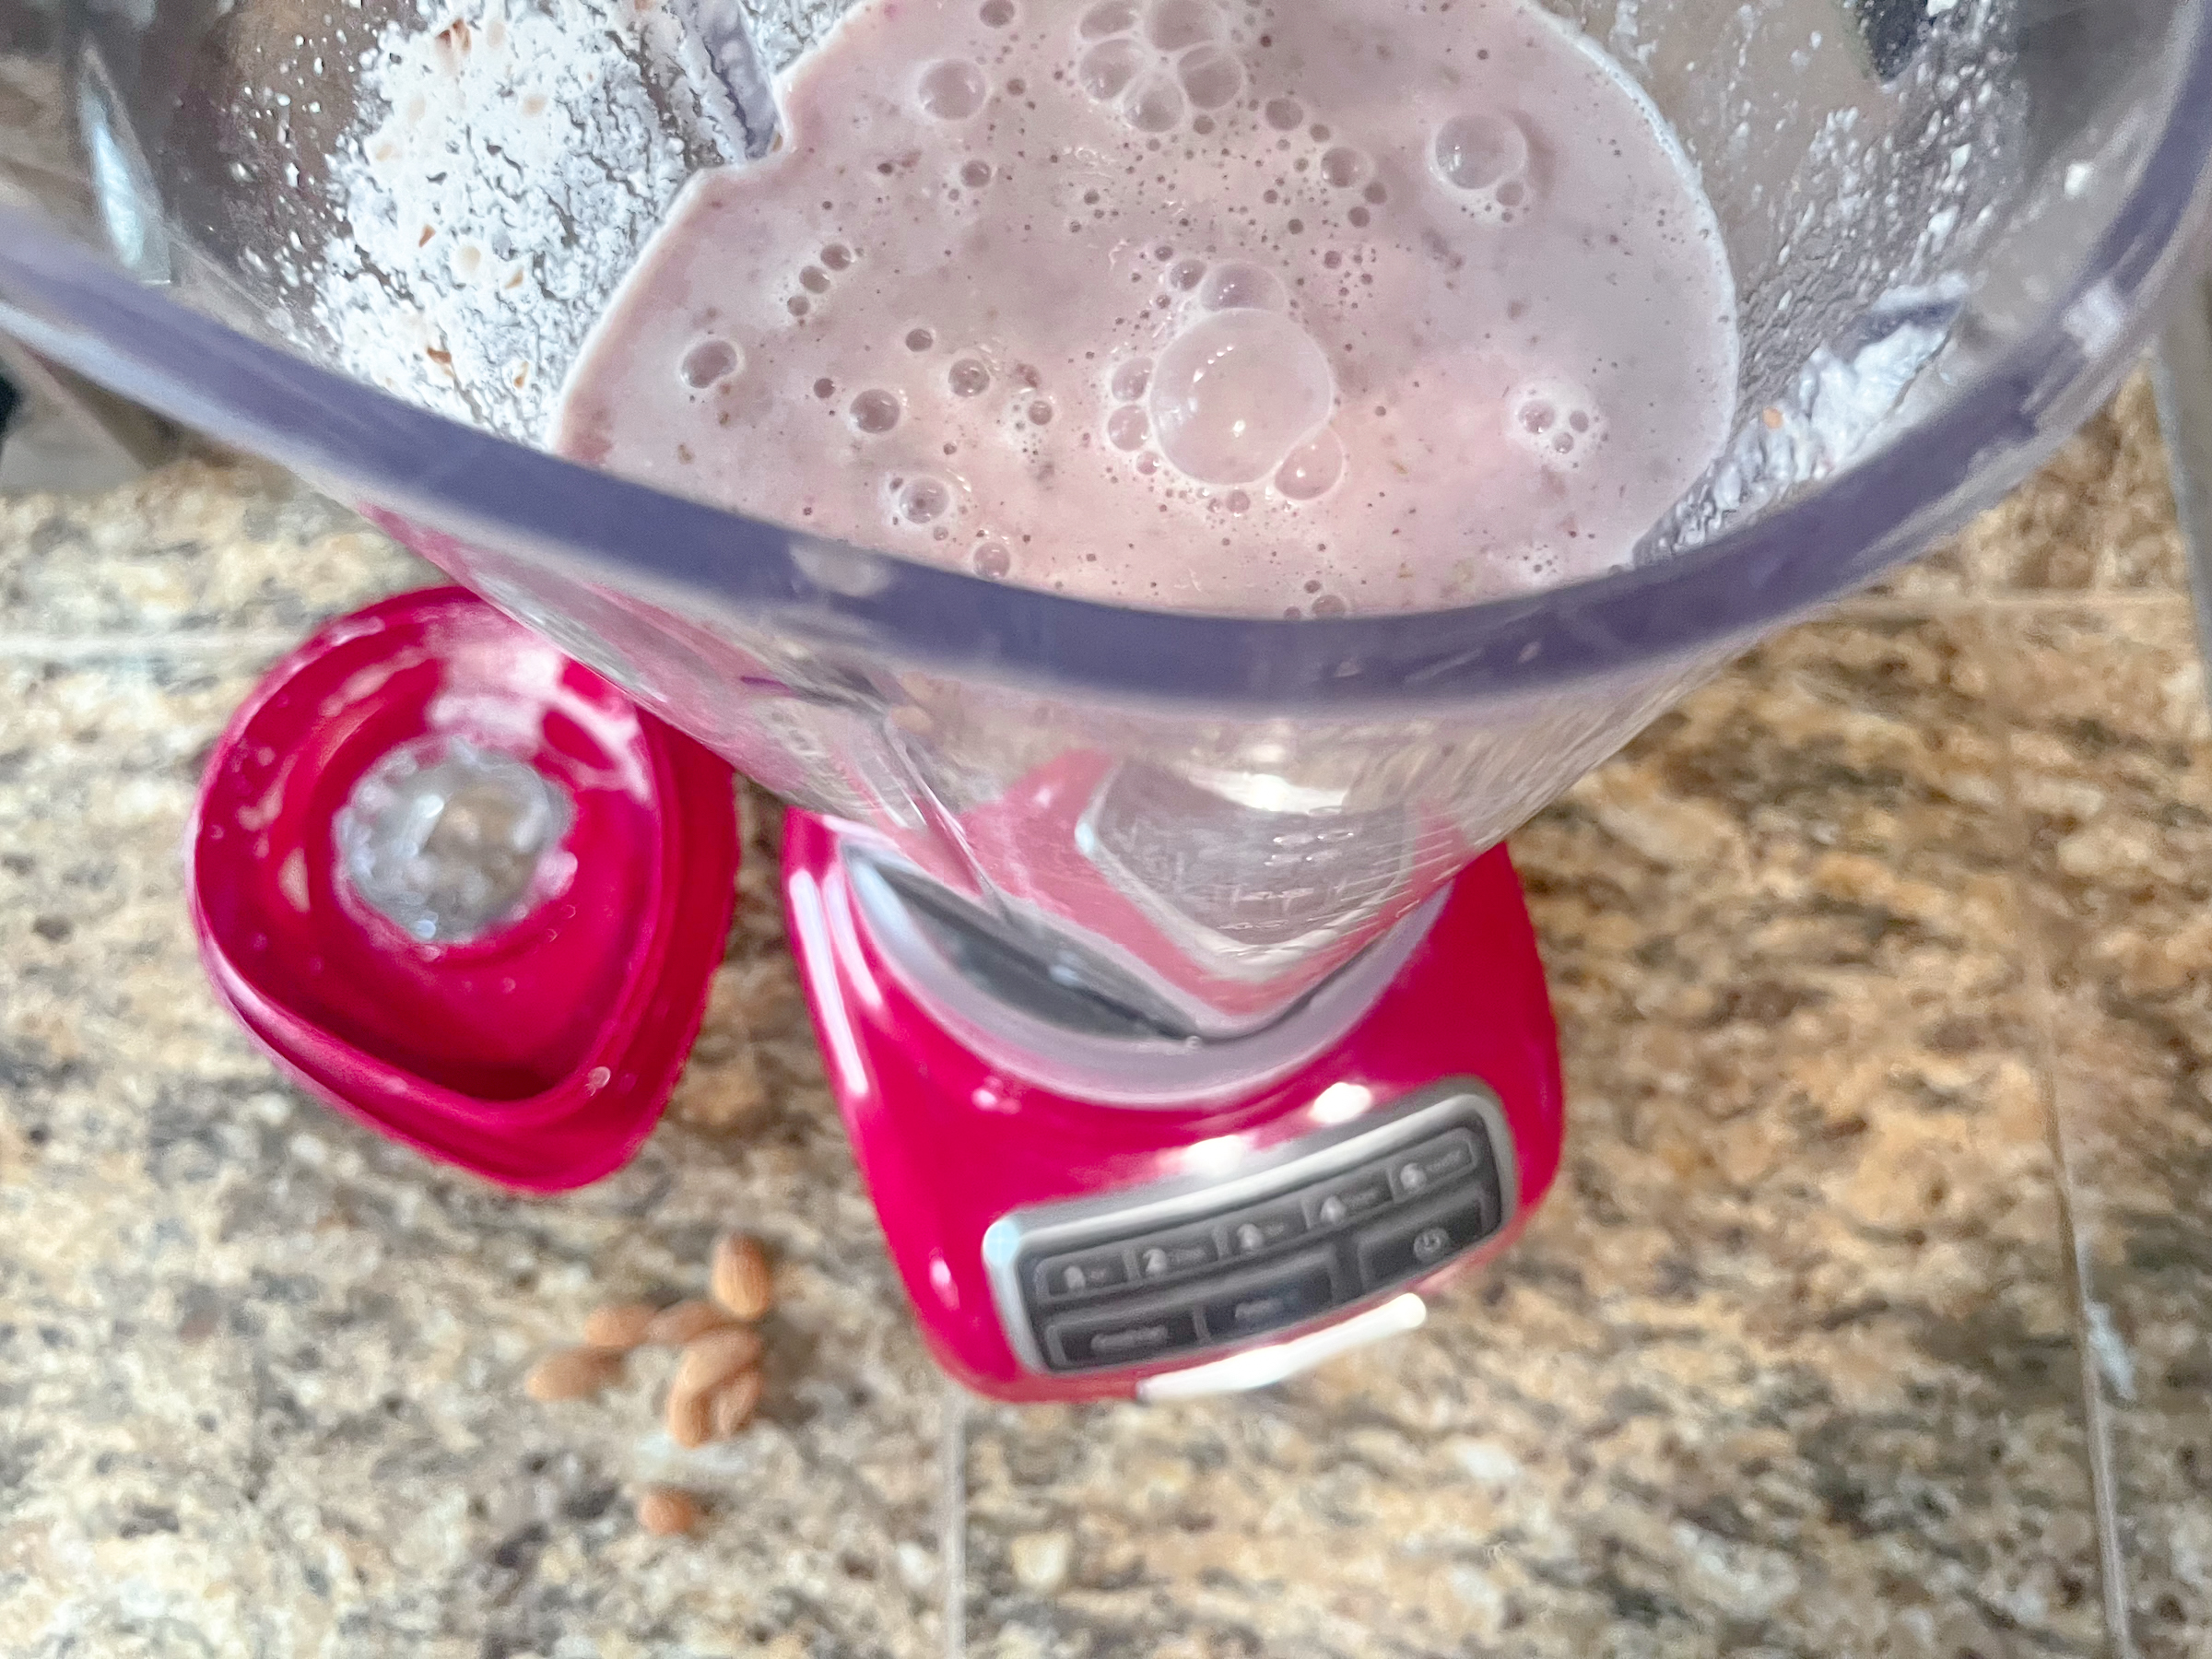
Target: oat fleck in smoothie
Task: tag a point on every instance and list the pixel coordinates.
(1260, 307)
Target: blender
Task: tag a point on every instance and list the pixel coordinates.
(1169, 972)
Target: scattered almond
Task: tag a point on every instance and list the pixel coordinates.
(686, 1321)
(617, 1326)
(733, 1403)
(718, 1386)
(739, 1276)
(715, 1358)
(664, 1511)
(573, 1374)
(689, 1417)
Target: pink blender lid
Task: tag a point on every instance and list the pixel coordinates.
(464, 890)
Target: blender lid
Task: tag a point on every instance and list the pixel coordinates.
(464, 890)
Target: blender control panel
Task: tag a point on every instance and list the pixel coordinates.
(1175, 1269)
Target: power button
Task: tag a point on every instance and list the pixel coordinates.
(1423, 1240)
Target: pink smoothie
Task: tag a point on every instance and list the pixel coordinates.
(1289, 306)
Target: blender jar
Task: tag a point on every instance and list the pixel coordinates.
(275, 221)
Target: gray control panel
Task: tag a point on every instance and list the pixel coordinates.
(1180, 1268)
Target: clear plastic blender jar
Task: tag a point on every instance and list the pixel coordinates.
(1947, 220)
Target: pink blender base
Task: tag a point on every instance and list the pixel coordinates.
(1057, 1247)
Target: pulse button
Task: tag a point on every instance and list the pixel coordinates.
(1300, 1289)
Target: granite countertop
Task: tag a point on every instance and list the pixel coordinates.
(1869, 1316)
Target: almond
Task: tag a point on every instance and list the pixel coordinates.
(739, 1276)
(573, 1374)
(689, 1417)
(734, 1404)
(664, 1511)
(671, 1327)
(617, 1326)
(715, 1358)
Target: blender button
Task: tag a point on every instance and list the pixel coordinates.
(1414, 1244)
(1172, 1253)
(1259, 1230)
(1430, 1166)
(1299, 1292)
(1067, 1276)
(1121, 1339)
(1441, 1159)
(1349, 1199)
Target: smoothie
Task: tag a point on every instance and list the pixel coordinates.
(1272, 307)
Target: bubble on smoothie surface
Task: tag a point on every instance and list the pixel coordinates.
(1483, 155)
(709, 361)
(924, 500)
(1237, 285)
(1173, 25)
(1312, 468)
(1554, 421)
(1153, 104)
(1127, 428)
(875, 410)
(1107, 19)
(1211, 75)
(968, 378)
(951, 89)
(1342, 165)
(1234, 393)
(1106, 70)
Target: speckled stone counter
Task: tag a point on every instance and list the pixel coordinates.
(1870, 1315)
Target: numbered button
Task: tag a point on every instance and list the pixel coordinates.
(1253, 1230)
(1354, 1198)
(1070, 1275)
(1169, 1255)
(1432, 1164)
(1436, 1164)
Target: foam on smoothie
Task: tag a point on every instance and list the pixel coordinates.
(1274, 308)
